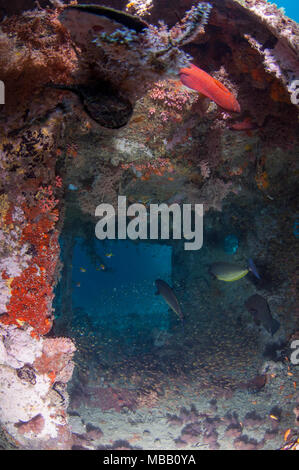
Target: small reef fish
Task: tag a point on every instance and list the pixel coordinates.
(230, 272)
(274, 417)
(169, 296)
(199, 80)
(286, 435)
(102, 267)
(246, 125)
(109, 255)
(83, 270)
(259, 308)
(291, 445)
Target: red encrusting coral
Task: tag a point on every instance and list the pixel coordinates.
(31, 295)
(32, 291)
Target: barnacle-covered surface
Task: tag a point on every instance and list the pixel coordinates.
(230, 384)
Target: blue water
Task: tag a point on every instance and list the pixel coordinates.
(231, 244)
(291, 8)
(116, 293)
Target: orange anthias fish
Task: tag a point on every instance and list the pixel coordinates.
(199, 80)
(246, 125)
(287, 434)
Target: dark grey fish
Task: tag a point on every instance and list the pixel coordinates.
(259, 308)
(101, 102)
(169, 296)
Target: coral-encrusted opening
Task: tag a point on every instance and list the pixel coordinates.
(107, 291)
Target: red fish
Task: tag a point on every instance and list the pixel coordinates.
(245, 125)
(199, 80)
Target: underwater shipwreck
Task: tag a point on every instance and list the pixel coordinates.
(187, 105)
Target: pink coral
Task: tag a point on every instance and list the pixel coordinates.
(56, 359)
(110, 398)
(244, 443)
(172, 98)
(46, 199)
(34, 425)
(58, 182)
(204, 169)
(53, 345)
(233, 430)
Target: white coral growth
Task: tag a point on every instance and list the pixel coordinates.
(140, 7)
(205, 169)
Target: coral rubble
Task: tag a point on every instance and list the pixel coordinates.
(35, 416)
